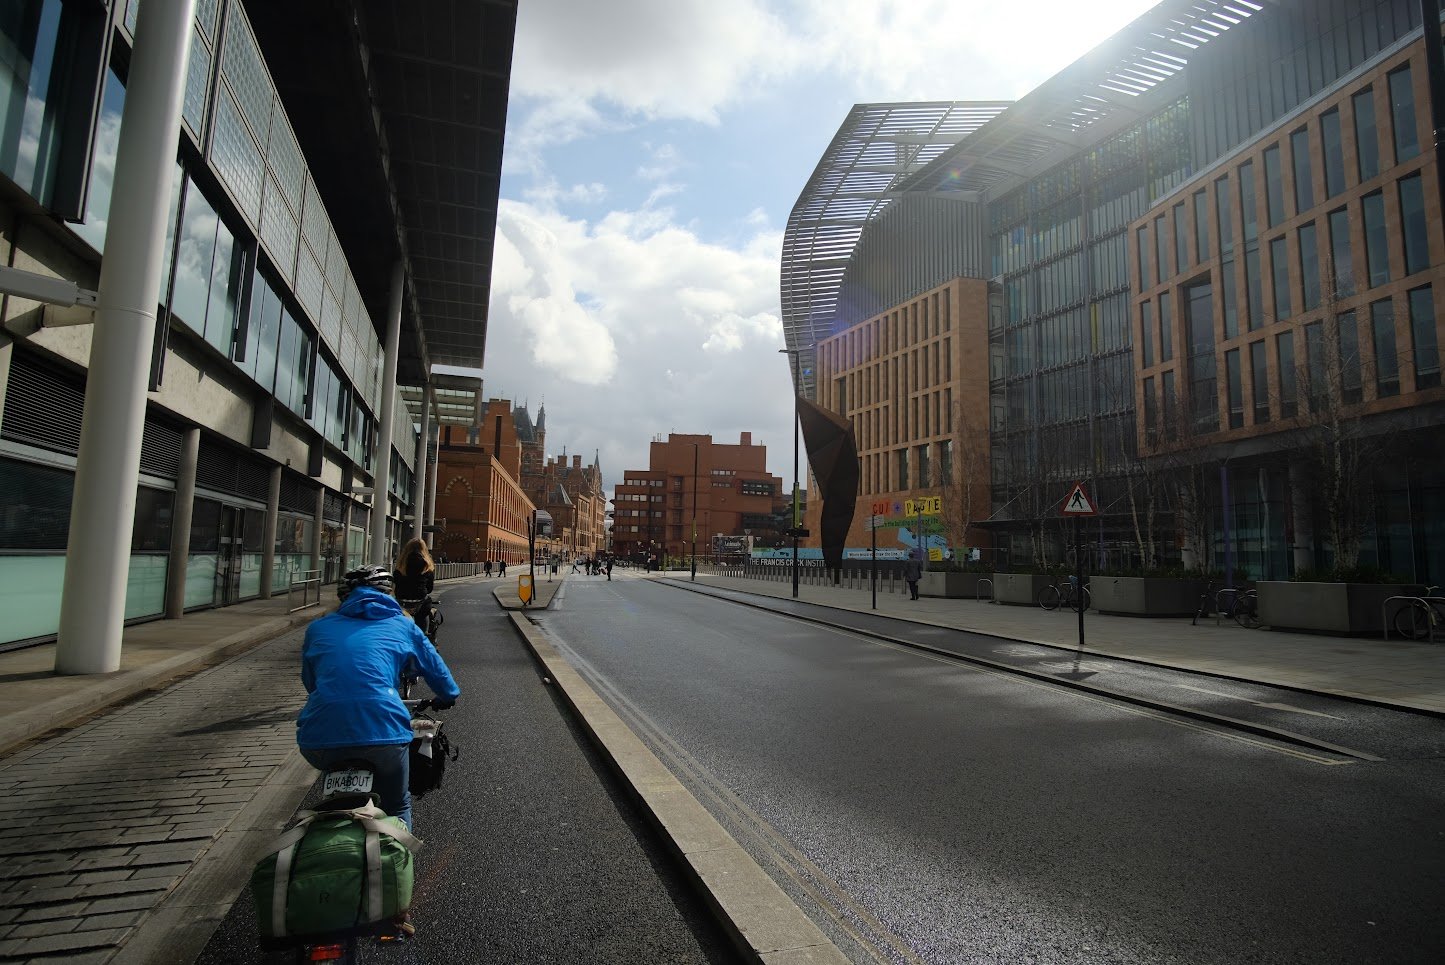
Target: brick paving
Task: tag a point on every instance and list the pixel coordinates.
(100, 823)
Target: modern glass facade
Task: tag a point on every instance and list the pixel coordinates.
(267, 360)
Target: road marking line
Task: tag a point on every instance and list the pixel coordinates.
(1269, 705)
(1299, 710)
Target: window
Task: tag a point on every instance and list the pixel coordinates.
(1151, 410)
(1304, 191)
(102, 167)
(1347, 348)
(1402, 110)
(1342, 263)
(1309, 266)
(1142, 236)
(262, 333)
(1412, 225)
(1235, 388)
(1259, 380)
(1334, 153)
(1317, 387)
(1279, 265)
(1181, 239)
(1146, 334)
(1231, 309)
(1223, 215)
(1288, 395)
(1377, 245)
(1161, 247)
(1166, 327)
(207, 276)
(925, 469)
(1248, 207)
(903, 469)
(1273, 186)
(1171, 399)
(1253, 287)
(1424, 341)
(1367, 139)
(1201, 226)
(1199, 329)
(945, 460)
(1387, 363)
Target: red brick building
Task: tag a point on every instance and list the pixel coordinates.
(695, 489)
(479, 492)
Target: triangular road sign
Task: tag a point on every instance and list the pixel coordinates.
(1078, 503)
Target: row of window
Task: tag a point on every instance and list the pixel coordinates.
(929, 464)
(928, 317)
(1181, 240)
(1326, 267)
(928, 365)
(1341, 366)
(922, 415)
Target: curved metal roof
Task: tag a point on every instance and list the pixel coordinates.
(875, 149)
(1107, 86)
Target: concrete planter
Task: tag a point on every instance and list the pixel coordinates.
(1019, 589)
(952, 585)
(1143, 596)
(1346, 609)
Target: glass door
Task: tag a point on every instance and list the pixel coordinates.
(228, 555)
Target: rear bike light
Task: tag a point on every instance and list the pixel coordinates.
(325, 953)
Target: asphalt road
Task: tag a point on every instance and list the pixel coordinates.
(923, 809)
(534, 853)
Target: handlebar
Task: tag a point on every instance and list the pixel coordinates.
(428, 703)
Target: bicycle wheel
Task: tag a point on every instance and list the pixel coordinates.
(1049, 598)
(1079, 600)
(1246, 610)
(1413, 622)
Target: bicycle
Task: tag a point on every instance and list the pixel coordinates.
(1063, 592)
(346, 796)
(1422, 617)
(1240, 604)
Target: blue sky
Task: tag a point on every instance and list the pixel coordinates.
(654, 151)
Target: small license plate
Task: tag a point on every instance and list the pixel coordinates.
(353, 781)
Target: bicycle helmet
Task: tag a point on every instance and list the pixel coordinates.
(376, 576)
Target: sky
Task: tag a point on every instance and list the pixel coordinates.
(654, 151)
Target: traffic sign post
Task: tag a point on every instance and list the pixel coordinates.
(1076, 505)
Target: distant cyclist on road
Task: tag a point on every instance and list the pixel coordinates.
(351, 663)
(414, 576)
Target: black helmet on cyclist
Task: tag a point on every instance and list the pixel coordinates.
(376, 576)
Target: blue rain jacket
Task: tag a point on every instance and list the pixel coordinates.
(351, 663)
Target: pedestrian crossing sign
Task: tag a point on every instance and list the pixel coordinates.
(1078, 503)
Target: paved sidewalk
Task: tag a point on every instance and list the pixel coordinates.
(1397, 672)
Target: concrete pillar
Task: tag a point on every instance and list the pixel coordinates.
(418, 499)
(381, 477)
(346, 534)
(318, 529)
(181, 524)
(431, 489)
(268, 534)
(102, 514)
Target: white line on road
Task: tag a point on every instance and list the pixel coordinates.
(1271, 706)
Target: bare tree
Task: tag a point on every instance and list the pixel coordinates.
(960, 496)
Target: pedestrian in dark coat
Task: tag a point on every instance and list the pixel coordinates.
(913, 572)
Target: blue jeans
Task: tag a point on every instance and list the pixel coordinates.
(391, 769)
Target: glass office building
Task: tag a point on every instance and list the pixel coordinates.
(266, 381)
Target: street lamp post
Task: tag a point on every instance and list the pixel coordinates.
(694, 512)
(797, 391)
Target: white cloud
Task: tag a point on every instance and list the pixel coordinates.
(631, 326)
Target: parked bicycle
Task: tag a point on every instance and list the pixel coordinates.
(1238, 603)
(1422, 617)
(1064, 593)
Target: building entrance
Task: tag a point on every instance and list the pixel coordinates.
(229, 554)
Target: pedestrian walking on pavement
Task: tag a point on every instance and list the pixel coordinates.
(913, 572)
(486, 567)
(501, 567)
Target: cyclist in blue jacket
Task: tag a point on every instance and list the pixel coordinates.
(351, 664)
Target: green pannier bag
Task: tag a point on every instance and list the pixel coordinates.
(334, 871)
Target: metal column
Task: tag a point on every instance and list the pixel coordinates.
(381, 476)
(418, 499)
(102, 514)
(181, 524)
(268, 534)
(431, 492)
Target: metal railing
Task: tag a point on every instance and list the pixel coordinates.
(305, 579)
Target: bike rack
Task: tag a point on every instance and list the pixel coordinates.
(1425, 601)
(308, 578)
(978, 589)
